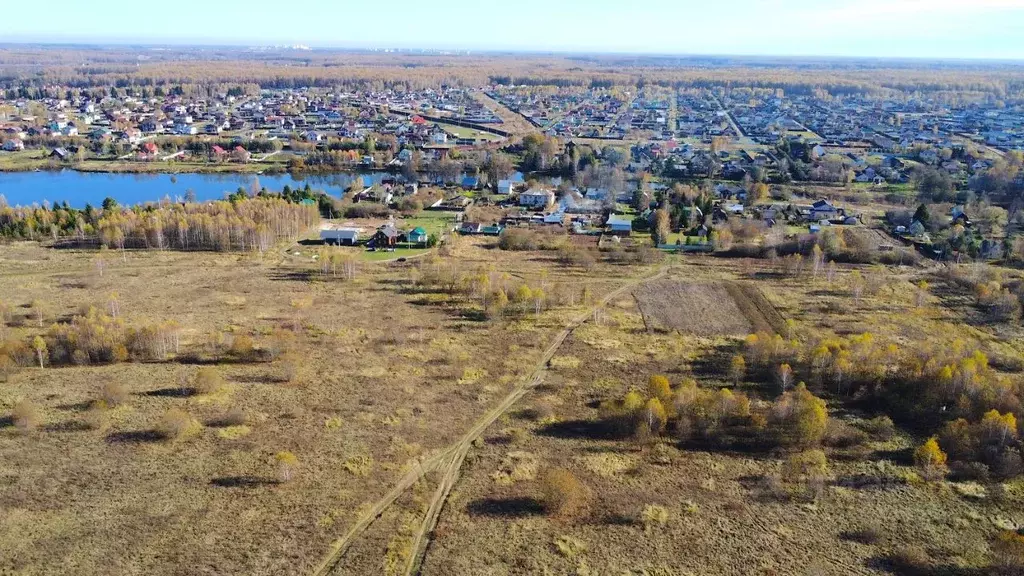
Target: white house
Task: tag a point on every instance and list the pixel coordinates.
(536, 198)
(346, 236)
(618, 225)
(505, 186)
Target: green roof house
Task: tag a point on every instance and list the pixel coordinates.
(417, 235)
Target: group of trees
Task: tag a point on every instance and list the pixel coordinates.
(923, 386)
(796, 420)
(495, 294)
(93, 337)
(242, 223)
(53, 72)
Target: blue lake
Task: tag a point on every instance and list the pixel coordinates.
(81, 188)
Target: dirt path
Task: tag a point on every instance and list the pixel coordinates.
(453, 456)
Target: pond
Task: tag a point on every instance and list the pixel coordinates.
(81, 188)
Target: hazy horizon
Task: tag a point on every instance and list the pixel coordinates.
(911, 29)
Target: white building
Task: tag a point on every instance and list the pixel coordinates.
(536, 198)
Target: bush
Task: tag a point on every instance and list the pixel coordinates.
(366, 211)
(26, 415)
(865, 535)
(969, 472)
(880, 428)
(910, 560)
(243, 348)
(799, 418)
(286, 465)
(563, 495)
(176, 424)
(114, 394)
(233, 417)
(654, 516)
(930, 460)
(517, 240)
(839, 434)
(208, 381)
(808, 468)
(1009, 550)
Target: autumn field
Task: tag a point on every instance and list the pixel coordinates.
(323, 391)
(486, 411)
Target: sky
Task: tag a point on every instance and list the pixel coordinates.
(989, 29)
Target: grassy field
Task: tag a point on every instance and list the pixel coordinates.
(463, 132)
(380, 256)
(373, 364)
(403, 402)
(434, 222)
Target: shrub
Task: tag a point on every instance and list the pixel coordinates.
(910, 560)
(658, 387)
(176, 424)
(654, 516)
(930, 460)
(364, 210)
(26, 415)
(517, 240)
(114, 394)
(97, 417)
(233, 417)
(799, 417)
(864, 535)
(242, 348)
(808, 468)
(969, 472)
(880, 428)
(359, 465)
(1009, 550)
(839, 434)
(208, 381)
(563, 495)
(286, 465)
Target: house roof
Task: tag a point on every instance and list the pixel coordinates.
(418, 231)
(616, 220)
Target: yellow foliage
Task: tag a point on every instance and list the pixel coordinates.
(659, 387)
(654, 416)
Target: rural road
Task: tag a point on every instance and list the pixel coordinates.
(453, 456)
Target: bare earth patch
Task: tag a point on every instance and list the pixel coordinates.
(698, 308)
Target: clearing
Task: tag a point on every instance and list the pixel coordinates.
(705, 308)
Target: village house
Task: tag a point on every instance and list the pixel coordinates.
(417, 236)
(536, 198)
(506, 186)
(14, 145)
(470, 228)
(618, 226)
(823, 210)
(386, 237)
(340, 236)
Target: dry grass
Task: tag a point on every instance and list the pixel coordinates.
(98, 488)
(384, 374)
(729, 512)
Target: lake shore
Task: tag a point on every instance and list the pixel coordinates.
(21, 162)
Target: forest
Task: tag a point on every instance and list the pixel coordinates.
(28, 71)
